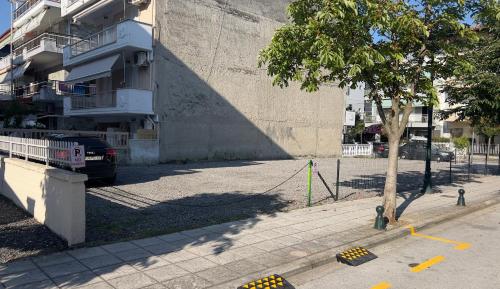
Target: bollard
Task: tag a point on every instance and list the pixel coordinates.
(461, 198)
(309, 183)
(379, 221)
(337, 184)
(451, 174)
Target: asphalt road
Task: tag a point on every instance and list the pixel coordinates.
(476, 267)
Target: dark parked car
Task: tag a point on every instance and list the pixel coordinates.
(417, 150)
(100, 158)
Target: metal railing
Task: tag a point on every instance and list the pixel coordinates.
(351, 150)
(26, 6)
(94, 41)
(71, 2)
(59, 39)
(48, 151)
(118, 140)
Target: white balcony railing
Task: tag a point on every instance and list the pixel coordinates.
(120, 101)
(59, 40)
(26, 6)
(31, 45)
(99, 39)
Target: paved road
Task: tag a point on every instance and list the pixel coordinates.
(477, 267)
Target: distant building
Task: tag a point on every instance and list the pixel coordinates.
(179, 75)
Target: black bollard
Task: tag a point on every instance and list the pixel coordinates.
(461, 198)
(379, 221)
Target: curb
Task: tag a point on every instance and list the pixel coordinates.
(370, 238)
(393, 234)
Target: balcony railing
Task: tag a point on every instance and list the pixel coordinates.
(95, 100)
(60, 41)
(26, 6)
(99, 39)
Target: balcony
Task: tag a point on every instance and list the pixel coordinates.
(31, 8)
(125, 101)
(44, 50)
(73, 6)
(128, 35)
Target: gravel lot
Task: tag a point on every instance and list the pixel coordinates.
(160, 199)
(22, 236)
(166, 198)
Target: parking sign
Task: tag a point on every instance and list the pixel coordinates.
(77, 156)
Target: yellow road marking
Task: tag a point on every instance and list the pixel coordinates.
(459, 245)
(427, 264)
(383, 285)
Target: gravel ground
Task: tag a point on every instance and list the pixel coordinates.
(22, 236)
(160, 199)
(154, 200)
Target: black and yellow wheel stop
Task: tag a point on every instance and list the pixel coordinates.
(269, 282)
(355, 256)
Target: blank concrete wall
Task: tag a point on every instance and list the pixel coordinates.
(214, 102)
(55, 197)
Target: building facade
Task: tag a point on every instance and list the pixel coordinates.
(180, 73)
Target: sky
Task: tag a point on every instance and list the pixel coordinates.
(4, 15)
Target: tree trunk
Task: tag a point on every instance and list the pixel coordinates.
(391, 179)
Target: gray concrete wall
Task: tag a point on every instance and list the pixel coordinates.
(144, 151)
(212, 100)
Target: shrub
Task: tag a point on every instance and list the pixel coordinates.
(461, 142)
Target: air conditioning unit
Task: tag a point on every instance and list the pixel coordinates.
(141, 59)
(138, 2)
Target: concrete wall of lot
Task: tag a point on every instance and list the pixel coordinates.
(144, 151)
(55, 197)
(212, 100)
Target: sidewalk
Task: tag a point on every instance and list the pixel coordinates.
(229, 254)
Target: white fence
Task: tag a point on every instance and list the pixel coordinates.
(482, 149)
(118, 140)
(47, 151)
(351, 150)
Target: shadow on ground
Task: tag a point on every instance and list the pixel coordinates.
(21, 235)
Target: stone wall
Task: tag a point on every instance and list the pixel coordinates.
(212, 100)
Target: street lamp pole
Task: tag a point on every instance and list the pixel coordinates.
(427, 188)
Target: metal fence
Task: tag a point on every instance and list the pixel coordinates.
(47, 151)
(365, 177)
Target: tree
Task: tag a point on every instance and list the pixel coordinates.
(396, 48)
(475, 91)
(357, 130)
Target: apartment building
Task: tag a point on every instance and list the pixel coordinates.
(181, 73)
(418, 120)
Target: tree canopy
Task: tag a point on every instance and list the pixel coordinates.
(474, 93)
(397, 48)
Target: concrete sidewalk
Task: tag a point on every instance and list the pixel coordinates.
(229, 254)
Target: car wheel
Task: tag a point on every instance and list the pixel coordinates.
(403, 156)
(110, 181)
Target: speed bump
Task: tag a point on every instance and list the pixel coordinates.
(269, 282)
(355, 256)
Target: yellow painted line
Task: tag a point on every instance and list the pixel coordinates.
(459, 245)
(427, 264)
(383, 285)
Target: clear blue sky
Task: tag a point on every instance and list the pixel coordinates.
(4, 15)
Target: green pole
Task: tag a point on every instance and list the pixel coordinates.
(309, 183)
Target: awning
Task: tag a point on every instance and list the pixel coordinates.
(41, 22)
(17, 72)
(94, 9)
(93, 70)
